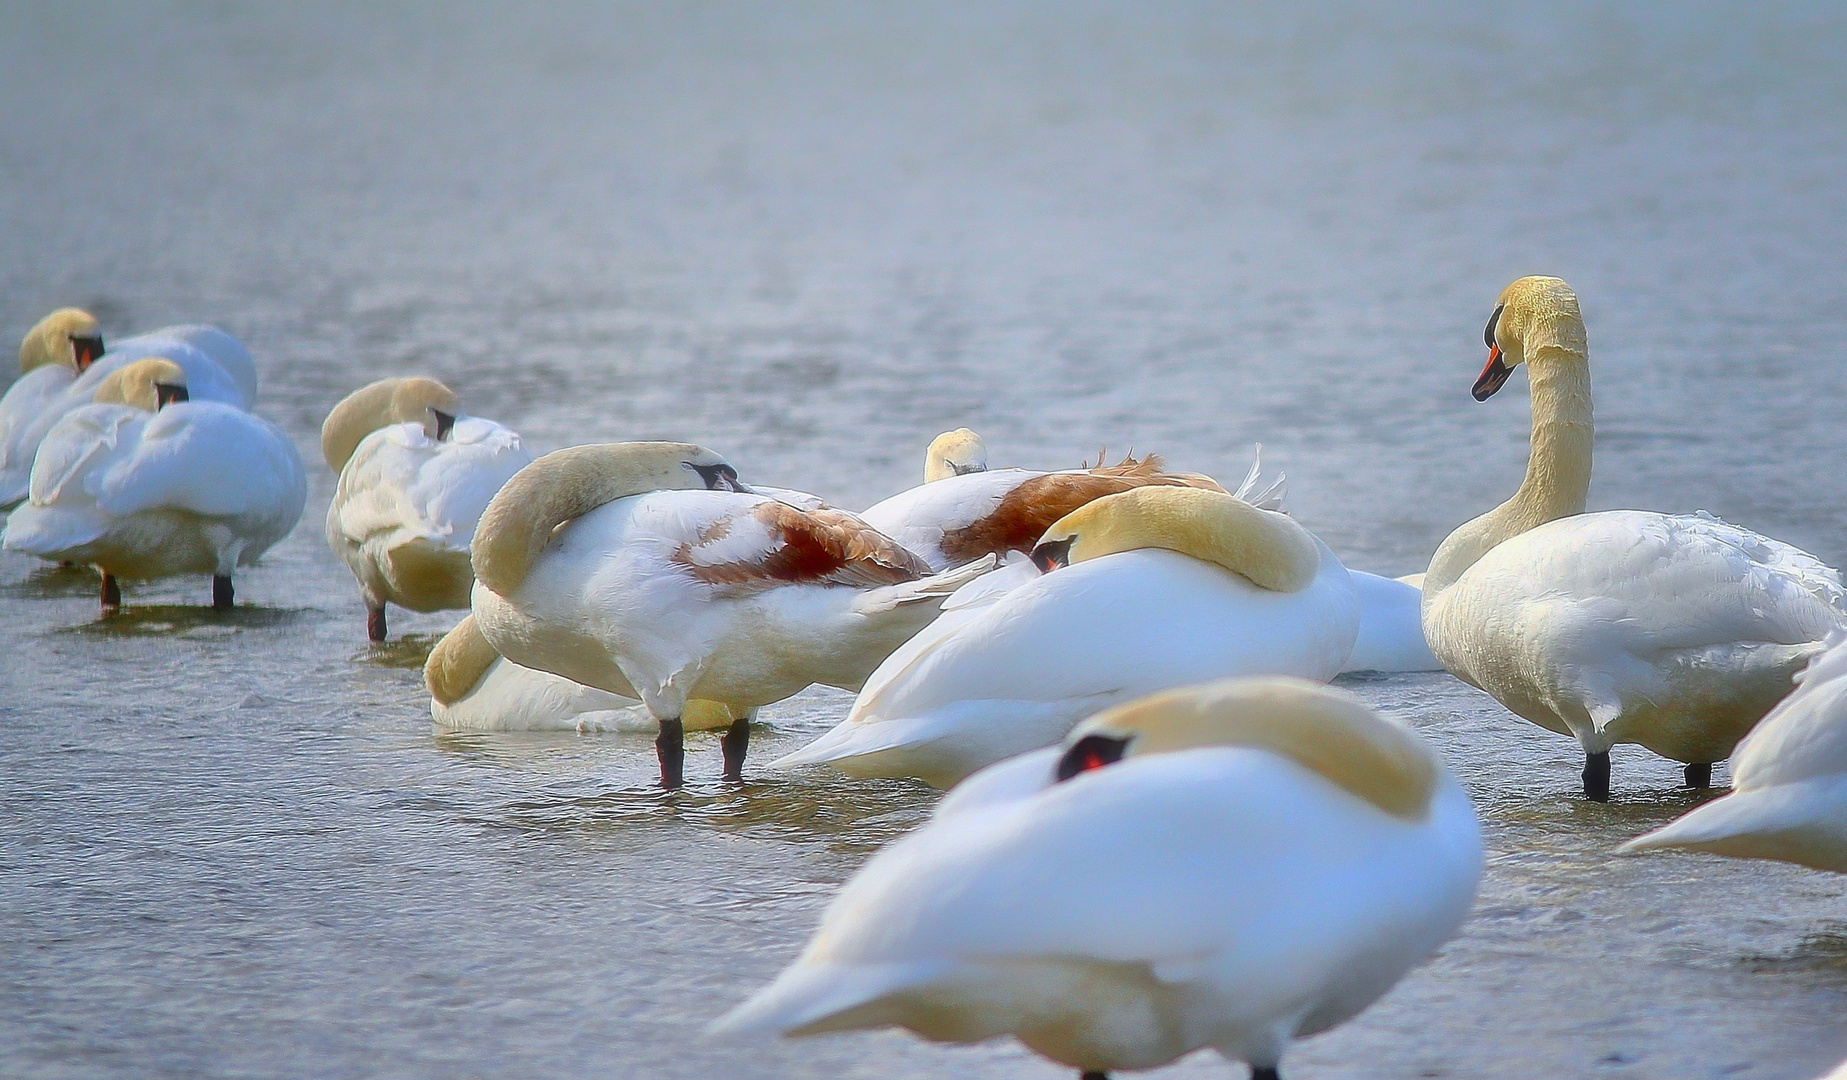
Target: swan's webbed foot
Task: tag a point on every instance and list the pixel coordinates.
(670, 746)
(1597, 776)
(112, 594)
(1699, 775)
(375, 624)
(735, 743)
(221, 592)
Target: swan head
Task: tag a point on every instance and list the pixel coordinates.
(1533, 313)
(151, 384)
(68, 336)
(385, 402)
(954, 453)
(569, 483)
(1327, 731)
(1267, 548)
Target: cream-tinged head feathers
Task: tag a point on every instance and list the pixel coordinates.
(954, 453)
(1327, 731)
(457, 662)
(1265, 547)
(570, 483)
(387, 401)
(1533, 315)
(59, 338)
(145, 384)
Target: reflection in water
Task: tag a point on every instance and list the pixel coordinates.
(812, 238)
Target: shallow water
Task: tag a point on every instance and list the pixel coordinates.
(231, 845)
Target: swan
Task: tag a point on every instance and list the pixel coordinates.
(952, 519)
(1391, 636)
(955, 453)
(1624, 626)
(146, 483)
(415, 474)
(1789, 782)
(474, 688)
(62, 362)
(648, 570)
(1232, 865)
(1136, 592)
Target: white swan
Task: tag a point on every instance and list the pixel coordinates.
(62, 363)
(952, 519)
(1391, 634)
(1144, 590)
(1232, 865)
(1789, 781)
(955, 453)
(415, 475)
(1675, 632)
(646, 569)
(145, 483)
(474, 688)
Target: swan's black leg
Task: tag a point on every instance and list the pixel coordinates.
(112, 594)
(670, 745)
(375, 624)
(1265, 1072)
(1597, 777)
(221, 592)
(1699, 775)
(735, 743)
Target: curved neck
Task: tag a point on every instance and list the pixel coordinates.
(1557, 471)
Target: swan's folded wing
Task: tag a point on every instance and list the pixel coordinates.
(777, 544)
(454, 481)
(209, 458)
(79, 451)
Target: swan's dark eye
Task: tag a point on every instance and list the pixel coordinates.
(1053, 554)
(1487, 336)
(1091, 752)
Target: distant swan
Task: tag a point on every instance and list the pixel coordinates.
(955, 453)
(648, 569)
(1789, 781)
(1232, 866)
(1675, 632)
(145, 483)
(62, 363)
(415, 475)
(1151, 588)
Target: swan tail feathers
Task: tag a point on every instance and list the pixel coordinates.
(1803, 823)
(936, 587)
(811, 998)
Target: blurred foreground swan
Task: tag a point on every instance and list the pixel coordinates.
(648, 570)
(1675, 632)
(1232, 866)
(474, 688)
(415, 475)
(145, 483)
(1152, 588)
(1789, 782)
(62, 363)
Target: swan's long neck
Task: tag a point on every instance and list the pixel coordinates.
(1557, 473)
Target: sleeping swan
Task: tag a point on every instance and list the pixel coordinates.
(955, 453)
(415, 475)
(647, 570)
(146, 483)
(474, 688)
(1136, 592)
(1625, 626)
(1789, 784)
(62, 362)
(1232, 866)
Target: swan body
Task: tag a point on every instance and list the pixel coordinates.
(1015, 667)
(410, 493)
(473, 688)
(963, 516)
(1674, 632)
(589, 565)
(1391, 636)
(152, 490)
(1230, 866)
(61, 378)
(1789, 781)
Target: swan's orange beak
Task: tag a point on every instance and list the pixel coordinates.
(1493, 375)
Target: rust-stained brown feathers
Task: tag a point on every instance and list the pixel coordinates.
(819, 547)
